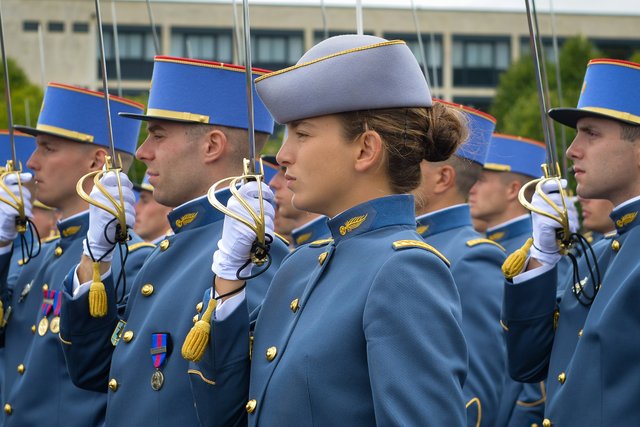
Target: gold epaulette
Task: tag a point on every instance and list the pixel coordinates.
(50, 238)
(406, 244)
(139, 245)
(473, 242)
(319, 243)
(285, 241)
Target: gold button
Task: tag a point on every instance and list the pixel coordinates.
(562, 378)
(45, 287)
(21, 369)
(271, 353)
(322, 257)
(147, 289)
(128, 336)
(534, 425)
(164, 245)
(199, 307)
(294, 305)
(580, 333)
(251, 406)
(113, 384)
(8, 409)
(33, 329)
(546, 422)
(58, 251)
(195, 319)
(615, 245)
(21, 262)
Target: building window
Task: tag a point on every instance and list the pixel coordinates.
(432, 51)
(479, 103)
(202, 43)
(80, 27)
(479, 61)
(617, 48)
(547, 47)
(136, 49)
(55, 27)
(30, 25)
(318, 35)
(275, 50)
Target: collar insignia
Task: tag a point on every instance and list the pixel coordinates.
(422, 229)
(626, 219)
(496, 236)
(186, 219)
(303, 238)
(352, 224)
(70, 231)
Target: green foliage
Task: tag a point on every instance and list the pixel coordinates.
(26, 97)
(635, 57)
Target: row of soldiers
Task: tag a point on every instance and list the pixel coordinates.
(388, 309)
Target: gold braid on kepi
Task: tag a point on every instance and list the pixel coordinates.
(514, 263)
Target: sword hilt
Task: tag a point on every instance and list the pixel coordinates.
(15, 201)
(259, 254)
(116, 207)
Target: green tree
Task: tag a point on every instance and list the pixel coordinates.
(26, 97)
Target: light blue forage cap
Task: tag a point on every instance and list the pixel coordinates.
(145, 185)
(345, 73)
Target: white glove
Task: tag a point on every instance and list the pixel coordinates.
(101, 236)
(234, 247)
(545, 245)
(8, 214)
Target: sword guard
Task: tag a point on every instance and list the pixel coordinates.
(16, 202)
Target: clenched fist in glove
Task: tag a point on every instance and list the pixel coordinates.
(234, 247)
(8, 214)
(101, 237)
(545, 244)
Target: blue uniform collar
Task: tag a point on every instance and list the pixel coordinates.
(312, 230)
(510, 229)
(197, 213)
(443, 220)
(371, 215)
(74, 227)
(625, 216)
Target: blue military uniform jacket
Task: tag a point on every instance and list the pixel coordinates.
(590, 359)
(521, 404)
(43, 392)
(476, 267)
(363, 329)
(18, 308)
(315, 229)
(163, 300)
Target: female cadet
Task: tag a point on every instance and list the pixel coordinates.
(362, 329)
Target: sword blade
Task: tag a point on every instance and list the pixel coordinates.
(7, 92)
(249, 83)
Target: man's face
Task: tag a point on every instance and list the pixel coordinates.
(151, 217)
(287, 216)
(595, 215)
(488, 198)
(606, 166)
(57, 165)
(172, 162)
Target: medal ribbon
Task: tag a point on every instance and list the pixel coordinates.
(47, 302)
(158, 349)
(57, 302)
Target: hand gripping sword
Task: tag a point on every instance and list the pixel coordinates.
(196, 341)
(97, 293)
(551, 170)
(14, 168)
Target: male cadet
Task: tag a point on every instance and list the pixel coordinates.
(151, 217)
(295, 225)
(197, 124)
(511, 162)
(444, 221)
(586, 345)
(71, 141)
(596, 218)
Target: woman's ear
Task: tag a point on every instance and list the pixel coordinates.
(369, 151)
